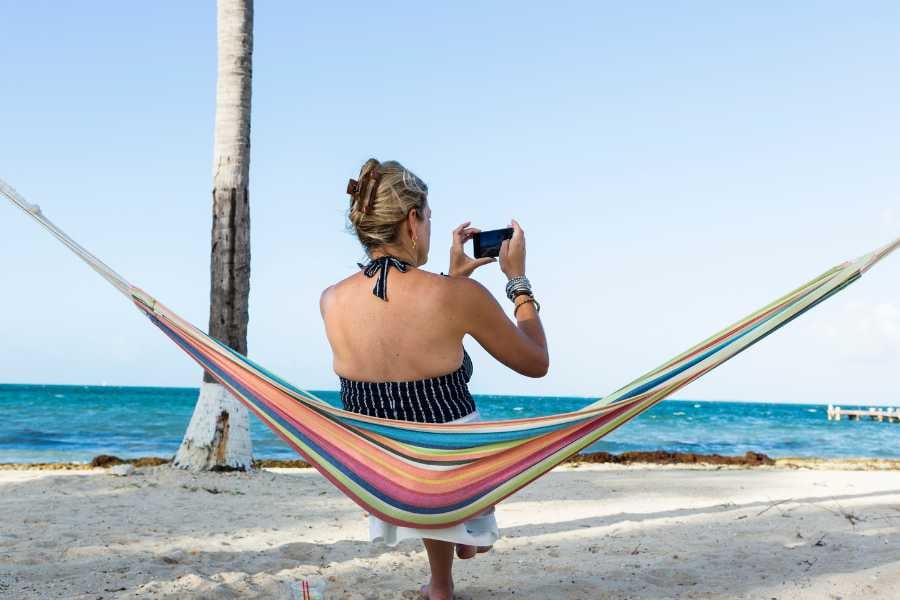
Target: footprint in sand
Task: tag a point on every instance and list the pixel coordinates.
(303, 552)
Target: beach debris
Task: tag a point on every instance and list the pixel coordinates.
(121, 470)
(839, 464)
(749, 459)
(851, 517)
(211, 490)
(268, 463)
(108, 460)
(308, 588)
(773, 505)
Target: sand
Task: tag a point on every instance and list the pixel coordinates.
(588, 531)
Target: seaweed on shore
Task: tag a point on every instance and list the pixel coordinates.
(662, 457)
(656, 457)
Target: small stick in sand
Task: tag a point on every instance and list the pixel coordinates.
(843, 513)
(849, 516)
(773, 505)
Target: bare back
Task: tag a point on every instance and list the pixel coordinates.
(416, 334)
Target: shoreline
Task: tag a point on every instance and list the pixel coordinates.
(638, 458)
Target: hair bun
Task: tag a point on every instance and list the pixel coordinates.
(381, 198)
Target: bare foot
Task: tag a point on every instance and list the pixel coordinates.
(464, 551)
(435, 594)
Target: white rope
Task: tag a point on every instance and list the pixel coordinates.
(870, 259)
(34, 211)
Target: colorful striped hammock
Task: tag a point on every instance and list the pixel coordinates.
(435, 475)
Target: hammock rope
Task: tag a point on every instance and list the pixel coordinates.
(431, 475)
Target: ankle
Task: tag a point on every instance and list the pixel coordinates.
(433, 591)
(442, 585)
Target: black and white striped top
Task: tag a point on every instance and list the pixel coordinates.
(433, 400)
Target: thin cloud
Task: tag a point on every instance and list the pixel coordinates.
(861, 331)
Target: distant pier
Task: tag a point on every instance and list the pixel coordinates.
(881, 414)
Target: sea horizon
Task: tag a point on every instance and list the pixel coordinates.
(474, 394)
(74, 423)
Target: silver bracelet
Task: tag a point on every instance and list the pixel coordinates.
(518, 285)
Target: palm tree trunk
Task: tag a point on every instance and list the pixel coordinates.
(218, 436)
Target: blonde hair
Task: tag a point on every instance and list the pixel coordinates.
(381, 201)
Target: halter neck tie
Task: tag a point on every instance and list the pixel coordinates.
(381, 266)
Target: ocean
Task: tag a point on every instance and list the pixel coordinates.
(64, 423)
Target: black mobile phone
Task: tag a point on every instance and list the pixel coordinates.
(487, 243)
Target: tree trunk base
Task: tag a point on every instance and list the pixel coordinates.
(218, 437)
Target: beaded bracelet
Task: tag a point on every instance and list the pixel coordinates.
(517, 285)
(530, 300)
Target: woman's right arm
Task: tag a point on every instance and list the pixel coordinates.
(521, 346)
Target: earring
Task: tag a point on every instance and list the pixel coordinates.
(414, 243)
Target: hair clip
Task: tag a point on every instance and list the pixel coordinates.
(352, 186)
(375, 178)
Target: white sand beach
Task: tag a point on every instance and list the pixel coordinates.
(587, 531)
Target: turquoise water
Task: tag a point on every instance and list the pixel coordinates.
(44, 423)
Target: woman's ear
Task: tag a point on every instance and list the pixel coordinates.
(412, 221)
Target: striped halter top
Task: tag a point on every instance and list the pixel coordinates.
(432, 400)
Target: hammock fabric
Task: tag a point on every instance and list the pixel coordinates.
(429, 475)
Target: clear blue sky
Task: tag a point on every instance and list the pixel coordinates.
(674, 167)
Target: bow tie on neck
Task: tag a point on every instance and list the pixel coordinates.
(381, 266)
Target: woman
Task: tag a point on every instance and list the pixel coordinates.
(390, 339)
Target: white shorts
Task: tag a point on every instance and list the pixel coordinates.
(480, 530)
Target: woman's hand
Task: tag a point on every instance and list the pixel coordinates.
(512, 252)
(461, 264)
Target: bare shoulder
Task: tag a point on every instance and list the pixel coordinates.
(332, 292)
(465, 285)
(326, 299)
(466, 293)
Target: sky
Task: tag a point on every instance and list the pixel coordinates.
(675, 166)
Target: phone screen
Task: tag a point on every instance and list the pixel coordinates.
(487, 243)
